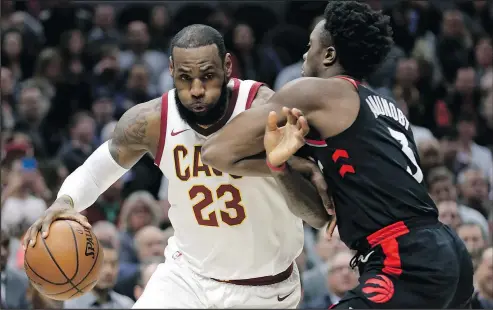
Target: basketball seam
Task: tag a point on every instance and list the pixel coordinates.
(85, 277)
(58, 266)
(42, 278)
(76, 251)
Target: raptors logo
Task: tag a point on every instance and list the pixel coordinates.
(379, 289)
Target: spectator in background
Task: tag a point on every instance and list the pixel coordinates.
(465, 95)
(103, 110)
(107, 72)
(7, 100)
(81, 142)
(13, 283)
(102, 295)
(470, 153)
(483, 298)
(341, 278)
(473, 187)
(150, 242)
(474, 239)
(104, 30)
(48, 71)
(108, 205)
(441, 187)
(449, 145)
(14, 55)
(146, 270)
(138, 51)
(486, 131)
(484, 63)
(160, 28)
(140, 209)
(430, 155)
(107, 232)
(448, 214)
(420, 133)
(24, 202)
(138, 88)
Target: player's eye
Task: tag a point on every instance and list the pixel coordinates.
(184, 77)
(209, 76)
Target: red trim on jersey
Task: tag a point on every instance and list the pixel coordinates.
(386, 238)
(162, 133)
(252, 93)
(350, 80)
(316, 142)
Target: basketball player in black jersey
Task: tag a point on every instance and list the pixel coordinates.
(365, 148)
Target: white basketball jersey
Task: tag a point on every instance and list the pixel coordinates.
(227, 227)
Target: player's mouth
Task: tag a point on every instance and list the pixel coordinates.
(199, 107)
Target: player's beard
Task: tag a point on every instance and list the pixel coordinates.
(209, 117)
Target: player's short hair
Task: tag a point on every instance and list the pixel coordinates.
(198, 35)
(362, 37)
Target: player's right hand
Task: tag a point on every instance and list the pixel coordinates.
(60, 209)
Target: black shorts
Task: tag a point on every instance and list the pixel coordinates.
(421, 267)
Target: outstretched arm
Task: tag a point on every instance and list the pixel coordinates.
(136, 133)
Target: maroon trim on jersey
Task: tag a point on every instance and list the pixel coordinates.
(262, 281)
(252, 93)
(350, 80)
(227, 115)
(316, 143)
(387, 239)
(163, 126)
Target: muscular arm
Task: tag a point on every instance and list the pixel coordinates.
(136, 133)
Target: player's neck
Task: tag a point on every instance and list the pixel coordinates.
(228, 98)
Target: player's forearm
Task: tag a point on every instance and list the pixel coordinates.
(302, 197)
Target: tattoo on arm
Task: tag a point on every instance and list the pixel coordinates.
(131, 136)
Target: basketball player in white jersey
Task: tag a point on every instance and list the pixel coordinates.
(235, 239)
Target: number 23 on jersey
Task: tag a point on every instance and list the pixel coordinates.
(235, 214)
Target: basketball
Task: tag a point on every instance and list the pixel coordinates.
(67, 263)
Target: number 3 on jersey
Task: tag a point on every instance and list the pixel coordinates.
(208, 199)
(399, 136)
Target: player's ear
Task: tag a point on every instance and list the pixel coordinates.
(228, 65)
(171, 68)
(330, 56)
(137, 291)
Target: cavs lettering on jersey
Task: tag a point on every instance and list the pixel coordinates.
(373, 169)
(227, 227)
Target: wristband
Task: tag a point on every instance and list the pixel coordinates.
(274, 168)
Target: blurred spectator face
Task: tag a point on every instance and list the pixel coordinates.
(109, 270)
(466, 129)
(104, 16)
(113, 193)
(144, 279)
(407, 72)
(160, 17)
(341, 277)
(243, 38)
(150, 241)
(448, 214)
(465, 81)
(201, 78)
(484, 274)
(12, 44)
(472, 236)
(138, 36)
(107, 232)
(487, 108)
(443, 189)
(138, 78)
(325, 248)
(76, 42)
(453, 24)
(4, 248)
(449, 147)
(84, 130)
(103, 110)
(7, 82)
(484, 53)
(474, 187)
(430, 154)
(30, 104)
(140, 215)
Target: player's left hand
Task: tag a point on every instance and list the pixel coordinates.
(281, 143)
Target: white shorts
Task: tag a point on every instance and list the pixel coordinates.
(175, 286)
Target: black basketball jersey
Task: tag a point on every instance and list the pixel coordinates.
(373, 170)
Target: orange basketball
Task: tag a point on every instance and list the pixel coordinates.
(67, 263)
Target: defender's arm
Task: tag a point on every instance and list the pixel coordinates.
(230, 150)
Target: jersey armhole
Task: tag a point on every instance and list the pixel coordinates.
(252, 93)
(162, 129)
(350, 80)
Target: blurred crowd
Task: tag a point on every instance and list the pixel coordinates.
(70, 70)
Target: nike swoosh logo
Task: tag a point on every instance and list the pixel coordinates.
(279, 298)
(178, 132)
